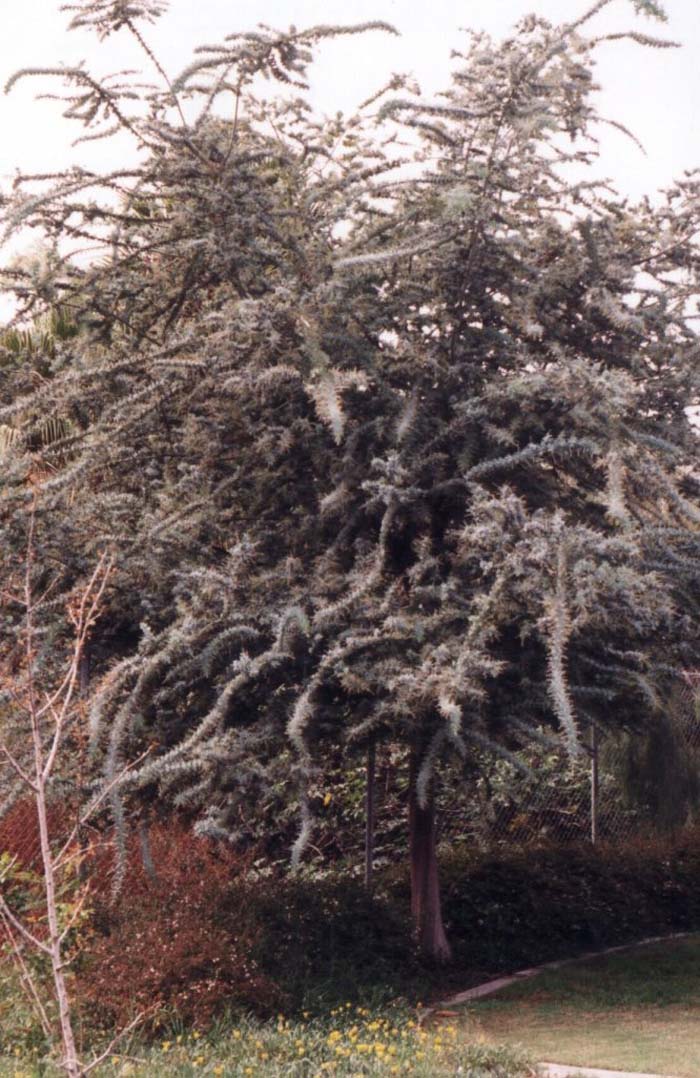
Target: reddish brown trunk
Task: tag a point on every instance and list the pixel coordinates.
(425, 885)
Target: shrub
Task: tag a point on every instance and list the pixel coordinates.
(514, 908)
(174, 945)
(211, 936)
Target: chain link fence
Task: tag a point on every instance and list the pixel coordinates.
(622, 785)
(19, 833)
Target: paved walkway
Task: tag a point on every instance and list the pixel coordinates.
(561, 1070)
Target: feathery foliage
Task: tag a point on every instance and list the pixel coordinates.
(385, 446)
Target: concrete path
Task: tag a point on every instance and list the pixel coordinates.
(561, 1070)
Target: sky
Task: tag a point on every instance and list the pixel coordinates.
(654, 92)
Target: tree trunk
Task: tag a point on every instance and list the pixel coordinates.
(55, 944)
(425, 885)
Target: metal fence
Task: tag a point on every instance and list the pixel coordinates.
(622, 785)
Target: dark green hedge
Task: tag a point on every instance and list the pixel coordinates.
(531, 906)
(327, 941)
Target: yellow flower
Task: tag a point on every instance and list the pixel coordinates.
(236, 1034)
(327, 800)
(166, 1046)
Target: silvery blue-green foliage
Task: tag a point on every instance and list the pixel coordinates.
(382, 451)
(105, 17)
(650, 8)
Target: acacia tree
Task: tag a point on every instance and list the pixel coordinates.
(388, 453)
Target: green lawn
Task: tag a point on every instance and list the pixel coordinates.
(638, 1010)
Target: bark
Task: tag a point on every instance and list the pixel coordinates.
(426, 906)
(54, 944)
(70, 1062)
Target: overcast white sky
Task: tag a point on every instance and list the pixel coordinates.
(655, 92)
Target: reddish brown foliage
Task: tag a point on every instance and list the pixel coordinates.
(168, 946)
(19, 833)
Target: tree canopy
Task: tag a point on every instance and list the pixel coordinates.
(385, 418)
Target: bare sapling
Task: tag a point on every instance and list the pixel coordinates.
(43, 708)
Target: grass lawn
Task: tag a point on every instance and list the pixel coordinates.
(638, 1010)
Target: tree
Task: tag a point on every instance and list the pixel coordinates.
(389, 448)
(39, 691)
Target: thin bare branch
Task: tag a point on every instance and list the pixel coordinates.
(94, 805)
(24, 932)
(16, 766)
(26, 977)
(119, 1036)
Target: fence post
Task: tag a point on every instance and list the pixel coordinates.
(594, 783)
(146, 854)
(369, 813)
(84, 690)
(84, 671)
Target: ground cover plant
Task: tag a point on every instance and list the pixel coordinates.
(349, 1041)
(635, 1011)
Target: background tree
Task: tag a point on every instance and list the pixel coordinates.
(389, 450)
(39, 743)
